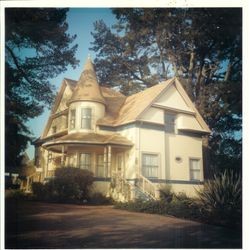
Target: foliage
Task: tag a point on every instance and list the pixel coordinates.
(37, 48)
(166, 193)
(179, 207)
(100, 199)
(221, 198)
(15, 195)
(38, 190)
(69, 185)
(201, 47)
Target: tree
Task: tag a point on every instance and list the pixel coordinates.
(202, 47)
(37, 48)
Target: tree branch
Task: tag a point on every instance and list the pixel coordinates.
(17, 64)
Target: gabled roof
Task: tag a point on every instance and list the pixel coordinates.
(87, 87)
(134, 105)
(121, 110)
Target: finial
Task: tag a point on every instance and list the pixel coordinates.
(89, 56)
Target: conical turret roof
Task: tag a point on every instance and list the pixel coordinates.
(87, 87)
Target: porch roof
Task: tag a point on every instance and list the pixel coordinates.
(90, 138)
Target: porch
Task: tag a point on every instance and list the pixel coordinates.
(104, 158)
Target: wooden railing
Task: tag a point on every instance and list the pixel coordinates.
(121, 186)
(147, 186)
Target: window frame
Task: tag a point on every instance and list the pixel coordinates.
(168, 124)
(83, 166)
(100, 165)
(194, 170)
(157, 167)
(72, 119)
(86, 119)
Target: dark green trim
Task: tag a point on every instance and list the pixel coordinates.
(177, 181)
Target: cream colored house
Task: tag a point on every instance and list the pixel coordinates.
(133, 144)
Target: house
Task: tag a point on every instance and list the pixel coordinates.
(133, 144)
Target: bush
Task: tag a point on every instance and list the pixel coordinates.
(166, 193)
(73, 183)
(38, 190)
(15, 194)
(155, 207)
(221, 198)
(100, 199)
(69, 185)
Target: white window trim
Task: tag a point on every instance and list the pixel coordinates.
(98, 165)
(69, 126)
(159, 163)
(91, 160)
(200, 165)
(91, 117)
(175, 122)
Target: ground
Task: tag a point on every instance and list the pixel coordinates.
(47, 225)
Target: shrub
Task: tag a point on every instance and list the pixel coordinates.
(16, 195)
(69, 185)
(221, 198)
(166, 193)
(38, 190)
(155, 207)
(73, 183)
(100, 199)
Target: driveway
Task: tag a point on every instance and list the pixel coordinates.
(44, 225)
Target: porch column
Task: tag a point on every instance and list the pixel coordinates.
(62, 157)
(105, 158)
(47, 166)
(109, 161)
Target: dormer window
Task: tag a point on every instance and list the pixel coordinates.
(86, 117)
(72, 121)
(170, 123)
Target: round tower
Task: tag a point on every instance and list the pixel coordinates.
(87, 103)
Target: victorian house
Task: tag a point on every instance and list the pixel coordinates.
(133, 144)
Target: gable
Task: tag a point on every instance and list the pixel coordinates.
(62, 105)
(172, 99)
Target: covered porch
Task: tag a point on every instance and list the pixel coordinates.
(103, 155)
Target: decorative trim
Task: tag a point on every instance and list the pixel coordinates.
(175, 110)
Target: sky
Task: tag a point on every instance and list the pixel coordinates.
(80, 22)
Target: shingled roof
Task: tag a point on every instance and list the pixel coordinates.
(90, 138)
(87, 87)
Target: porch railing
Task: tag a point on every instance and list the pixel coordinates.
(147, 186)
(121, 186)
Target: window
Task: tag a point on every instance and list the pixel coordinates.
(72, 161)
(86, 118)
(150, 164)
(100, 166)
(170, 123)
(53, 129)
(72, 122)
(195, 170)
(85, 161)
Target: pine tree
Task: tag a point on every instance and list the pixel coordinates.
(37, 48)
(202, 47)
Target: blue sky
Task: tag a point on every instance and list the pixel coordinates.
(80, 22)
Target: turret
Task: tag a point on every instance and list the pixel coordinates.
(87, 103)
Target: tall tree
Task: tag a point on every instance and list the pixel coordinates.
(37, 48)
(202, 47)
